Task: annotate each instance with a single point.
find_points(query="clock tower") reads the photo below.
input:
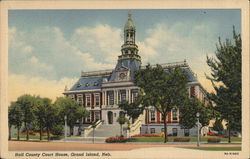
(129, 61)
(129, 48)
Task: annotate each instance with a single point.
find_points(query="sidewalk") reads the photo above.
(73, 146)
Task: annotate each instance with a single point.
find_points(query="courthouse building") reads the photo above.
(100, 92)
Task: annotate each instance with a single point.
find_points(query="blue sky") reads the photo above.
(52, 47)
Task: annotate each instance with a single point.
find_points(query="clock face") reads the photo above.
(122, 75)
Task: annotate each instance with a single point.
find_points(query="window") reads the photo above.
(79, 99)
(174, 130)
(152, 130)
(78, 85)
(88, 119)
(192, 91)
(123, 95)
(97, 99)
(162, 129)
(174, 113)
(72, 96)
(97, 116)
(186, 132)
(111, 97)
(152, 115)
(134, 95)
(88, 100)
(162, 117)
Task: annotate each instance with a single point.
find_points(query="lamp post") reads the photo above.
(150, 109)
(65, 127)
(198, 127)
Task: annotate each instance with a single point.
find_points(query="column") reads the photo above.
(103, 98)
(117, 96)
(129, 95)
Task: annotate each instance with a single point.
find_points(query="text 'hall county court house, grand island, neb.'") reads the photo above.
(100, 92)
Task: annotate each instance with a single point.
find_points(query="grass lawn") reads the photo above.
(192, 139)
(215, 148)
(34, 137)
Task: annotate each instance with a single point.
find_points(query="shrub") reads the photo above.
(116, 140)
(31, 132)
(180, 139)
(211, 134)
(223, 136)
(147, 135)
(213, 140)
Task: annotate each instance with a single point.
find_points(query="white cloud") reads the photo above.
(21, 84)
(55, 57)
(103, 42)
(48, 56)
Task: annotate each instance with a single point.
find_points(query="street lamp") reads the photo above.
(198, 133)
(150, 109)
(65, 127)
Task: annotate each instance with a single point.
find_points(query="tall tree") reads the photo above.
(15, 116)
(26, 103)
(163, 89)
(39, 112)
(46, 115)
(188, 112)
(134, 109)
(226, 79)
(71, 109)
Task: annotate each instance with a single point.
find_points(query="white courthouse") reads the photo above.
(100, 92)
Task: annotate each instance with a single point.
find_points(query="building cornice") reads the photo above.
(82, 91)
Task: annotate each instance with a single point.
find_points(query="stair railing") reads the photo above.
(89, 129)
(135, 127)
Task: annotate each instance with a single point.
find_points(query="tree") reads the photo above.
(26, 103)
(121, 120)
(15, 118)
(39, 112)
(163, 89)
(188, 112)
(226, 79)
(133, 110)
(71, 109)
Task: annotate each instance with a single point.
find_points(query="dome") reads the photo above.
(129, 25)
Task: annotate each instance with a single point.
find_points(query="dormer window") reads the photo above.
(95, 84)
(79, 84)
(87, 84)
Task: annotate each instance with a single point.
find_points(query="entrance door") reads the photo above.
(110, 117)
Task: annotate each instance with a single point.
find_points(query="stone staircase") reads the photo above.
(105, 131)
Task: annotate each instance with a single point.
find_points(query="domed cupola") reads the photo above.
(129, 25)
(129, 48)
